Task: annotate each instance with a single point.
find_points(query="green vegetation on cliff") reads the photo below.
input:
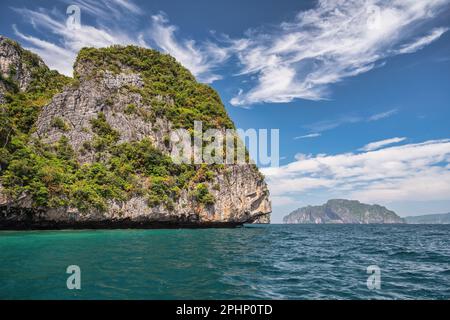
(21, 108)
(51, 175)
(163, 77)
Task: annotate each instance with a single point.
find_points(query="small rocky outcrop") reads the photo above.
(13, 64)
(343, 211)
(98, 147)
(17, 67)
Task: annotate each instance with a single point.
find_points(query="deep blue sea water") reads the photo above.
(257, 262)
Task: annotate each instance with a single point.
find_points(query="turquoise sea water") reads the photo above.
(257, 262)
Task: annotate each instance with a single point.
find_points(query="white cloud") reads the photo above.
(283, 201)
(106, 9)
(409, 172)
(129, 5)
(383, 115)
(56, 57)
(326, 44)
(306, 136)
(378, 144)
(61, 55)
(325, 125)
(201, 60)
(298, 59)
(424, 41)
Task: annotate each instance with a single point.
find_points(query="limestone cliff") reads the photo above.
(343, 211)
(16, 67)
(94, 150)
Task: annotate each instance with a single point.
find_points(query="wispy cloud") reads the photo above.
(335, 40)
(379, 144)
(297, 59)
(61, 54)
(329, 124)
(113, 20)
(383, 115)
(423, 41)
(306, 136)
(400, 173)
(325, 125)
(106, 9)
(201, 59)
(284, 201)
(57, 57)
(129, 5)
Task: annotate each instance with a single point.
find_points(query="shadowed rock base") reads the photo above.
(18, 219)
(110, 225)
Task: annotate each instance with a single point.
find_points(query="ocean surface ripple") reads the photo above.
(255, 262)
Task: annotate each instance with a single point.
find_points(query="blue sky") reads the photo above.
(360, 93)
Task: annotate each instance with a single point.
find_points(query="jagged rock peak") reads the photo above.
(16, 64)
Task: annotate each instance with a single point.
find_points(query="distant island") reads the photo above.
(443, 218)
(338, 211)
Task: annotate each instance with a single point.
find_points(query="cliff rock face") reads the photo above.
(14, 64)
(343, 211)
(96, 152)
(15, 69)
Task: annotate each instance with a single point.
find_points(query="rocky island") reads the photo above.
(443, 218)
(343, 211)
(93, 151)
